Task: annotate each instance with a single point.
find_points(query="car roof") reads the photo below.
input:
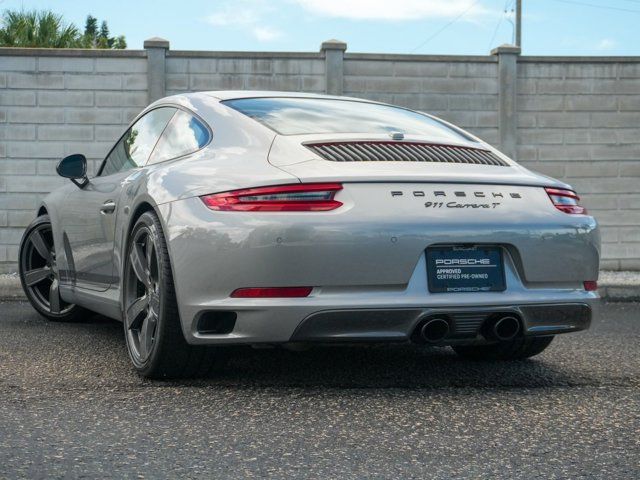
(237, 94)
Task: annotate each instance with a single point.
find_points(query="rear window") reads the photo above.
(298, 116)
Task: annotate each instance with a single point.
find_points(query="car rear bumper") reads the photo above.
(283, 324)
(380, 314)
(466, 324)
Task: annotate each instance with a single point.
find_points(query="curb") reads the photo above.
(10, 288)
(620, 293)
(611, 291)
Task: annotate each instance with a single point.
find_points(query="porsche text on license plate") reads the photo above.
(465, 269)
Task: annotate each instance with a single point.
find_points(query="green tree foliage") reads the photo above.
(45, 29)
(119, 42)
(37, 29)
(103, 38)
(94, 38)
(91, 26)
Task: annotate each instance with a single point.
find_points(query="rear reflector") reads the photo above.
(591, 285)
(272, 292)
(566, 201)
(309, 197)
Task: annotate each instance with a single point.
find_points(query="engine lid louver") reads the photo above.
(373, 151)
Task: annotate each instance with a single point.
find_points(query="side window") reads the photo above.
(136, 145)
(185, 134)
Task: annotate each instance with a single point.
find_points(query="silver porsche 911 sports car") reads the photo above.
(223, 218)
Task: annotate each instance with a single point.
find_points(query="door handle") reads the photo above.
(108, 207)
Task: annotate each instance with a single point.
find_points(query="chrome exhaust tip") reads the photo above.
(505, 328)
(434, 330)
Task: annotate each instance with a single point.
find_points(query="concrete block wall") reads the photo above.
(575, 118)
(461, 90)
(54, 103)
(197, 71)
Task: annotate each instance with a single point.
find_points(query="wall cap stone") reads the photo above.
(406, 57)
(598, 59)
(506, 48)
(333, 44)
(98, 53)
(156, 42)
(240, 54)
(69, 52)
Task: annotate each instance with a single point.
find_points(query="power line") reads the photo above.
(619, 9)
(502, 17)
(446, 26)
(495, 32)
(518, 41)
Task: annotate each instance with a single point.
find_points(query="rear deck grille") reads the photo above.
(403, 152)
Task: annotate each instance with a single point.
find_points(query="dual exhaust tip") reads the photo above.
(434, 330)
(501, 327)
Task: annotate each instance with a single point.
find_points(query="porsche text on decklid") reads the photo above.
(439, 202)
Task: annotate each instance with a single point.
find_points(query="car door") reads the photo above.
(90, 214)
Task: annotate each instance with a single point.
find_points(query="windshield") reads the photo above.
(298, 116)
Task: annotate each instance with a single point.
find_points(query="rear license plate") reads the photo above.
(465, 269)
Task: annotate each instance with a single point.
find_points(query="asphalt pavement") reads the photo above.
(72, 407)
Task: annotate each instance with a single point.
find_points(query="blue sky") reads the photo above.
(551, 27)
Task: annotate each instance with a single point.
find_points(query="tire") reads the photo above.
(152, 328)
(517, 349)
(39, 274)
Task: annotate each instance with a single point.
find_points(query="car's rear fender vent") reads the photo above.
(363, 151)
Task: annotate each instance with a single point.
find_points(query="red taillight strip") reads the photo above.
(562, 193)
(272, 292)
(304, 197)
(590, 285)
(565, 200)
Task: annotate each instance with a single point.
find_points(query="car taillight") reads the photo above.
(272, 292)
(590, 285)
(309, 197)
(566, 201)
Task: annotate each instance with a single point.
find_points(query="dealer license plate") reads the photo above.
(463, 268)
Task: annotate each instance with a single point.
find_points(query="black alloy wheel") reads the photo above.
(39, 272)
(153, 331)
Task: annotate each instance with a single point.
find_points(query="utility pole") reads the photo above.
(519, 23)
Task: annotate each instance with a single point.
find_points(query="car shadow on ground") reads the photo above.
(381, 366)
(400, 366)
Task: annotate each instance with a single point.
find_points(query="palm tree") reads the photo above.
(37, 29)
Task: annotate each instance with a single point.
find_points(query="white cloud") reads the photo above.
(266, 34)
(606, 44)
(246, 15)
(392, 9)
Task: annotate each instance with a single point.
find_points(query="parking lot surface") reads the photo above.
(71, 406)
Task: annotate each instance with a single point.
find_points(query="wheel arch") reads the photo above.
(48, 208)
(43, 210)
(142, 206)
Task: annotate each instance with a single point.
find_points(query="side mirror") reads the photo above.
(74, 167)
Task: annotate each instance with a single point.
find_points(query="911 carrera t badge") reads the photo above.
(460, 195)
(461, 205)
